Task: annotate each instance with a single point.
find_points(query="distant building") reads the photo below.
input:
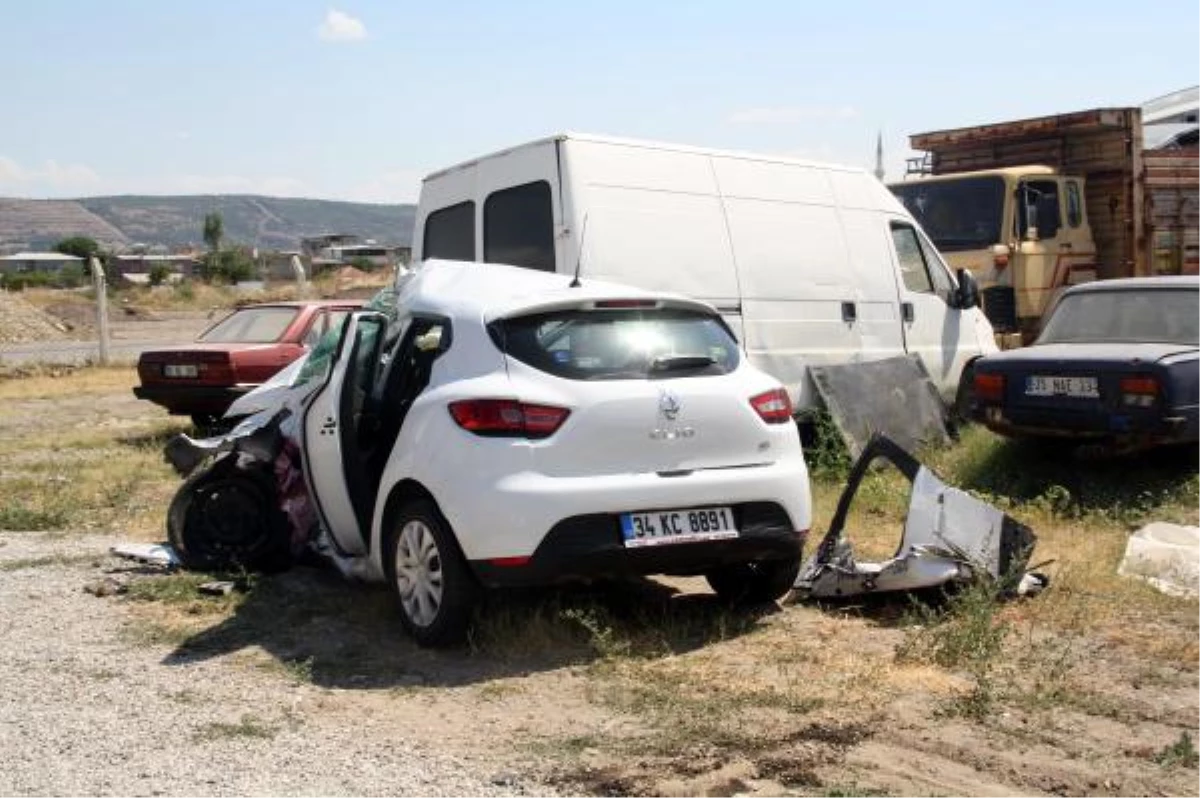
(318, 246)
(38, 262)
(136, 268)
(344, 249)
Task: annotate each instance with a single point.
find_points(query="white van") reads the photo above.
(808, 263)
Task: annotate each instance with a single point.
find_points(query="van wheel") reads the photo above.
(754, 582)
(434, 589)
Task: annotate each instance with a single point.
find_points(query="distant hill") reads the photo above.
(39, 224)
(263, 222)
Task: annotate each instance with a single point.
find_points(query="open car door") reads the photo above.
(332, 426)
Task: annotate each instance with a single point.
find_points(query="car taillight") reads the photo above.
(1138, 391)
(773, 407)
(507, 418)
(989, 387)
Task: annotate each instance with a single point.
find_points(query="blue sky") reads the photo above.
(358, 100)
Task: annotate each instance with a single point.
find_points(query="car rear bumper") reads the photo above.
(1169, 427)
(587, 547)
(185, 400)
(512, 514)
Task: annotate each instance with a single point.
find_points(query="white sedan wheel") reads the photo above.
(419, 573)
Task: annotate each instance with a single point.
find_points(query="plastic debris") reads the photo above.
(150, 553)
(1165, 555)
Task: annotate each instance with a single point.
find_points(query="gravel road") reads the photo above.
(87, 709)
(129, 338)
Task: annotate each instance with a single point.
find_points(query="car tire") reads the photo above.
(964, 401)
(224, 518)
(433, 587)
(754, 582)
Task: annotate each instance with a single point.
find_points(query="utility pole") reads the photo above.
(879, 156)
(99, 283)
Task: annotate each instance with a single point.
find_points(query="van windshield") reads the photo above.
(619, 344)
(957, 214)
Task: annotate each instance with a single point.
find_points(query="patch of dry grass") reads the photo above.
(41, 381)
(62, 472)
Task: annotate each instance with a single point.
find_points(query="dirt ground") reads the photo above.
(123, 679)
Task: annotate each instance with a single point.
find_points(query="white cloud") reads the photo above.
(788, 114)
(10, 171)
(272, 186)
(52, 176)
(341, 27)
(70, 175)
(392, 186)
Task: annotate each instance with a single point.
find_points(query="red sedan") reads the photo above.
(234, 356)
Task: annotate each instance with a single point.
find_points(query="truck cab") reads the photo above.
(1021, 231)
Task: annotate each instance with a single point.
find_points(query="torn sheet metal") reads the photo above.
(257, 437)
(892, 397)
(949, 536)
(150, 553)
(1165, 555)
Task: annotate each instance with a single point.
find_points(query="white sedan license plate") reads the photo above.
(180, 371)
(1082, 387)
(677, 526)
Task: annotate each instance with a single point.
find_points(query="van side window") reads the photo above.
(450, 233)
(939, 275)
(518, 227)
(912, 262)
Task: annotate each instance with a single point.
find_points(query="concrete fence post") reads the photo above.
(99, 283)
(301, 277)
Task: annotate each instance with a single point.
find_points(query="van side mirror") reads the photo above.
(966, 296)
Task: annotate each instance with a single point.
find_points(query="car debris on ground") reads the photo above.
(162, 554)
(1167, 556)
(950, 538)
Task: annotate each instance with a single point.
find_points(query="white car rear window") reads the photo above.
(619, 344)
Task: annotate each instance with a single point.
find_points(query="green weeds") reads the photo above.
(1181, 753)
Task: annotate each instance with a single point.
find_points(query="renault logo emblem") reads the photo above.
(668, 405)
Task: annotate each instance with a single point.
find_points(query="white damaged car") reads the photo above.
(501, 426)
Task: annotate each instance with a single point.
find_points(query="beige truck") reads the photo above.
(1034, 205)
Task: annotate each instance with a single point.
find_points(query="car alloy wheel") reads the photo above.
(433, 585)
(418, 566)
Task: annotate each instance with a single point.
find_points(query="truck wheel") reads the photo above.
(754, 582)
(225, 517)
(434, 588)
